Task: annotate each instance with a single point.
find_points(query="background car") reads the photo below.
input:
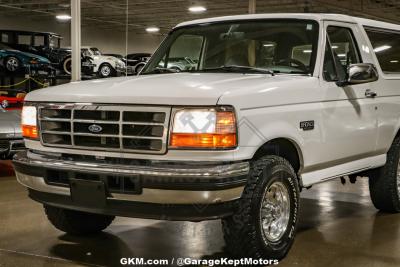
(138, 60)
(129, 68)
(104, 66)
(14, 61)
(11, 99)
(10, 133)
(45, 44)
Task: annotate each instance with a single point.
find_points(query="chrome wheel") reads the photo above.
(105, 71)
(12, 64)
(275, 211)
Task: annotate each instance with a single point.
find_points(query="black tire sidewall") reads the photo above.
(286, 176)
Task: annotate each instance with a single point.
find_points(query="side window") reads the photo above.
(5, 38)
(341, 51)
(185, 53)
(39, 40)
(24, 39)
(329, 71)
(387, 49)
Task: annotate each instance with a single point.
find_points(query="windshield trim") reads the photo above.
(314, 57)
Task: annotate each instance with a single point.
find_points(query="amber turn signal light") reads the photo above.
(29, 131)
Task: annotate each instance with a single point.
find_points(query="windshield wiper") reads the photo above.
(161, 70)
(241, 69)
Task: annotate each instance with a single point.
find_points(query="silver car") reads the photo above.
(10, 133)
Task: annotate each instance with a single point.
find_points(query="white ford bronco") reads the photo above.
(272, 104)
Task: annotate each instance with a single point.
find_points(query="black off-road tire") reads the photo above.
(77, 222)
(242, 231)
(383, 185)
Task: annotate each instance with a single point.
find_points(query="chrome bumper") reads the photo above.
(168, 193)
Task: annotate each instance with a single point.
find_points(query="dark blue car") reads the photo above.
(14, 61)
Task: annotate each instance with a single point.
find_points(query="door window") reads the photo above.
(39, 40)
(340, 52)
(24, 39)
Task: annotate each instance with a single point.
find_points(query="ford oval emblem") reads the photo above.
(94, 128)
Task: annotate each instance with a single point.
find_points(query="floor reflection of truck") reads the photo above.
(44, 44)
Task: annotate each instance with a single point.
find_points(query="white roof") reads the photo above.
(310, 16)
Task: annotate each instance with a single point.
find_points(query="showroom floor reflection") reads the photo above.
(338, 227)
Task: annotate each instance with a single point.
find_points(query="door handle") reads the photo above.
(370, 93)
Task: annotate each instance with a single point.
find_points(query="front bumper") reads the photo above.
(173, 191)
(10, 147)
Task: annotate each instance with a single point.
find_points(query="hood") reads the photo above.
(105, 58)
(162, 89)
(10, 124)
(30, 55)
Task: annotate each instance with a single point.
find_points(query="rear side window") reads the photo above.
(5, 38)
(387, 48)
(24, 39)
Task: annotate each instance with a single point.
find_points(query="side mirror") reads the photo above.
(362, 73)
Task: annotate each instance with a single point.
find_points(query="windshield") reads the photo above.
(280, 46)
(54, 41)
(95, 51)
(86, 52)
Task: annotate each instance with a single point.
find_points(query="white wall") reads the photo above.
(108, 41)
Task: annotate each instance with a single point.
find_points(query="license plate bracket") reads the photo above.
(88, 193)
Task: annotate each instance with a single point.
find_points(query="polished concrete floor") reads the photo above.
(338, 227)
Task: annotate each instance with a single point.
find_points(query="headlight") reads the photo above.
(204, 128)
(29, 122)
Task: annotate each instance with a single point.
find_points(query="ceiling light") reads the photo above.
(335, 46)
(63, 17)
(394, 61)
(268, 45)
(152, 29)
(307, 51)
(382, 48)
(342, 55)
(197, 9)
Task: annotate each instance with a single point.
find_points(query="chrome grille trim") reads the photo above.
(118, 135)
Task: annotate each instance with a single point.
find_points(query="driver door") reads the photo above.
(349, 117)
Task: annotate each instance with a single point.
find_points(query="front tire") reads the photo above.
(105, 70)
(12, 64)
(384, 182)
(77, 222)
(265, 222)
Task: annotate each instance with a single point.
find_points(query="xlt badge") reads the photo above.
(307, 125)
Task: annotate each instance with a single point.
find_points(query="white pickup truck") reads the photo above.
(273, 104)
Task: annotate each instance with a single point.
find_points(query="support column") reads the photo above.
(76, 40)
(252, 6)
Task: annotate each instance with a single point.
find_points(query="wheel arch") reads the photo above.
(285, 148)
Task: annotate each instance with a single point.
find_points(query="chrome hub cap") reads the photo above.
(12, 64)
(105, 70)
(275, 211)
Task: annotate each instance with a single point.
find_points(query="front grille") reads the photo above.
(135, 129)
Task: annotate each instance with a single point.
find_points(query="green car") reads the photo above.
(14, 61)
